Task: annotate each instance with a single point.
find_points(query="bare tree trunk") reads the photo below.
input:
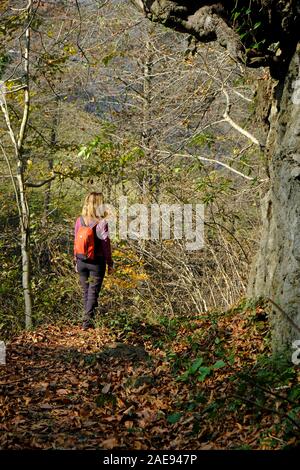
(20, 191)
(47, 196)
(25, 250)
(25, 247)
(146, 123)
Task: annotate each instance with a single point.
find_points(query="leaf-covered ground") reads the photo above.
(195, 383)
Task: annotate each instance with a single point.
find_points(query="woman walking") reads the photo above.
(92, 253)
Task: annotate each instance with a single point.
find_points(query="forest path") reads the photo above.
(69, 388)
(65, 388)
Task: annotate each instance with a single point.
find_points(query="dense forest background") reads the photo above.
(127, 107)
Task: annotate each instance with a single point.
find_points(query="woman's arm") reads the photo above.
(103, 234)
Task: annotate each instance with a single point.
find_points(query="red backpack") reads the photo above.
(84, 243)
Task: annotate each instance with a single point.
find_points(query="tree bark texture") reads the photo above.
(276, 270)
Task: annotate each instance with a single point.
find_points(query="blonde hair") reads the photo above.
(93, 207)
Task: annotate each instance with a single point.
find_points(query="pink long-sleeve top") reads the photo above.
(102, 243)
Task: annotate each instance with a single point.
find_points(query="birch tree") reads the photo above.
(17, 138)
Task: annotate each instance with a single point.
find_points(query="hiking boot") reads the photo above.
(87, 324)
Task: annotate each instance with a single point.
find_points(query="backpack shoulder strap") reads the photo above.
(93, 224)
(89, 225)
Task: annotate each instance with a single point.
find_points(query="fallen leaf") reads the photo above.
(45, 406)
(109, 443)
(128, 424)
(62, 391)
(106, 388)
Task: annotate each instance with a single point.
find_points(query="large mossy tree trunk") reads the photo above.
(276, 270)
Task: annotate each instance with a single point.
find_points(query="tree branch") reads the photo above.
(211, 160)
(26, 86)
(40, 183)
(238, 128)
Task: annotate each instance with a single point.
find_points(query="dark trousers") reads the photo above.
(91, 277)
